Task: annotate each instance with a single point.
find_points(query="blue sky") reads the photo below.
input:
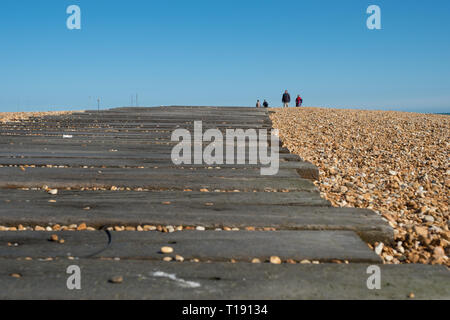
(224, 52)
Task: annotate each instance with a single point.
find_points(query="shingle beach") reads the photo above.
(396, 163)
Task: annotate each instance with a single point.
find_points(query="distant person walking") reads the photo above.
(298, 101)
(258, 104)
(265, 104)
(286, 99)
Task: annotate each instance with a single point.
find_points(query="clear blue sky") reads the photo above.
(224, 52)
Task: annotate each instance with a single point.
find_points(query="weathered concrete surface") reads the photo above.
(97, 198)
(172, 280)
(205, 245)
(280, 210)
(153, 179)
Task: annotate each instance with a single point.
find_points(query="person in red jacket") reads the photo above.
(298, 101)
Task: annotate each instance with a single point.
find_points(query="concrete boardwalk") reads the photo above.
(114, 168)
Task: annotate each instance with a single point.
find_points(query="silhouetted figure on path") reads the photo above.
(298, 101)
(286, 99)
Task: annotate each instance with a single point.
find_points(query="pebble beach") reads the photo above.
(20, 116)
(395, 163)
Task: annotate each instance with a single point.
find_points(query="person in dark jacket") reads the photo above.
(265, 104)
(286, 99)
(298, 101)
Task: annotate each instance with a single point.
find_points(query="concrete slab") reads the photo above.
(210, 281)
(205, 245)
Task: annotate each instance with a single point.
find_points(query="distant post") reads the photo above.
(98, 104)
